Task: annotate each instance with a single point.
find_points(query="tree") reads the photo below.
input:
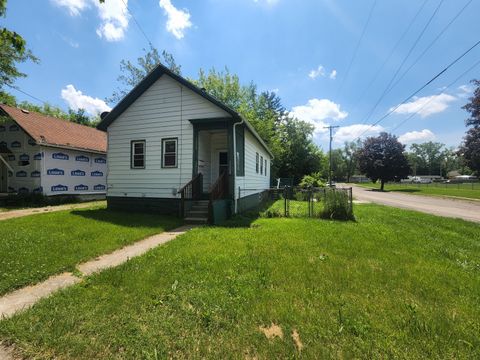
(383, 158)
(473, 107)
(428, 157)
(131, 74)
(470, 148)
(13, 50)
(349, 155)
(339, 166)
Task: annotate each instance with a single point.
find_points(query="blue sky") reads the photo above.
(300, 49)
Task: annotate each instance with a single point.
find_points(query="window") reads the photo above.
(256, 165)
(265, 167)
(240, 148)
(261, 165)
(169, 153)
(137, 154)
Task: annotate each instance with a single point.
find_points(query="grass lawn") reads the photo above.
(394, 284)
(37, 246)
(458, 190)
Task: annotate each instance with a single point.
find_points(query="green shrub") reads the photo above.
(337, 206)
(313, 180)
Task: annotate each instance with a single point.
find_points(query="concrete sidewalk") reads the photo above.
(46, 209)
(24, 298)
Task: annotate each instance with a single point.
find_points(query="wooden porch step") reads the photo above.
(198, 213)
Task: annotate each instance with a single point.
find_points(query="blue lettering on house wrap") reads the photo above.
(14, 127)
(16, 144)
(3, 143)
(77, 173)
(31, 142)
(99, 187)
(38, 190)
(38, 156)
(11, 157)
(23, 190)
(21, 173)
(82, 158)
(60, 156)
(81, 187)
(59, 187)
(24, 157)
(35, 174)
(96, 173)
(55, 172)
(100, 160)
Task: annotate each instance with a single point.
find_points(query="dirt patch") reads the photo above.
(272, 332)
(296, 340)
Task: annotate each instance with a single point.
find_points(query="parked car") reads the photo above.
(420, 180)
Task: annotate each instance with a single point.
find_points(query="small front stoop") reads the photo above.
(198, 213)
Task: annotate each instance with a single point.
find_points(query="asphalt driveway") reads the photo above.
(462, 209)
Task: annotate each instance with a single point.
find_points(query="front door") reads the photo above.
(222, 162)
(3, 178)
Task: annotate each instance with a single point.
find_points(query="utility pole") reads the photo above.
(330, 128)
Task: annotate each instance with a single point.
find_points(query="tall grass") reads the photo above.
(337, 205)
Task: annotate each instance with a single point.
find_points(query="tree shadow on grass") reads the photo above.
(407, 190)
(129, 219)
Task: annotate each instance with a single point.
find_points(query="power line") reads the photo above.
(421, 88)
(387, 89)
(432, 43)
(26, 93)
(440, 93)
(354, 55)
(367, 88)
(138, 24)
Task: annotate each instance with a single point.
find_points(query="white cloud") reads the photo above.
(316, 111)
(333, 74)
(177, 20)
(412, 136)
(74, 7)
(351, 132)
(426, 106)
(77, 100)
(465, 91)
(114, 16)
(319, 71)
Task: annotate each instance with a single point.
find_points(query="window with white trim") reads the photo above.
(169, 153)
(137, 154)
(265, 167)
(261, 165)
(257, 163)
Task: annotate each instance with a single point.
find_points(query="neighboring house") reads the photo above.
(171, 145)
(43, 154)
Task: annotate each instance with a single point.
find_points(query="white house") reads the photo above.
(171, 150)
(43, 154)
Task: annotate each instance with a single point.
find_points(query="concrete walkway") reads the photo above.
(24, 298)
(46, 209)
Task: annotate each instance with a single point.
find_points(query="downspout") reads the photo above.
(235, 163)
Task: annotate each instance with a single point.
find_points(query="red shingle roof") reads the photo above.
(48, 130)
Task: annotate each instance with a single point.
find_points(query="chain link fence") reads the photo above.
(291, 201)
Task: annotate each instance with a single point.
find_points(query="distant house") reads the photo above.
(172, 148)
(43, 154)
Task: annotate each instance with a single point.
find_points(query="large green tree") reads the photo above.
(383, 158)
(13, 50)
(132, 73)
(428, 157)
(470, 148)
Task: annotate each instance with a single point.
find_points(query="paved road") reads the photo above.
(463, 209)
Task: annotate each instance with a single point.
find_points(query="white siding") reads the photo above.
(253, 182)
(162, 111)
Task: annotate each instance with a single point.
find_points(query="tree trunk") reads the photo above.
(382, 185)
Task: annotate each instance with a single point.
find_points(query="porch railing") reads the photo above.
(191, 191)
(219, 189)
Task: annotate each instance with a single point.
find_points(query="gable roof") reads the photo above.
(51, 131)
(153, 76)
